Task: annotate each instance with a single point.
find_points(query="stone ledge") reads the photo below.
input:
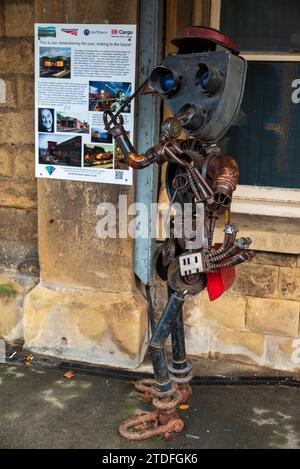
(271, 234)
(86, 325)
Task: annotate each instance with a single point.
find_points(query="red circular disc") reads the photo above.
(197, 35)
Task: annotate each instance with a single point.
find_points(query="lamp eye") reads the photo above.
(164, 80)
(210, 79)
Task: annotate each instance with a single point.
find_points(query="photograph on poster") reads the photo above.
(59, 150)
(98, 156)
(74, 122)
(46, 31)
(46, 120)
(100, 136)
(108, 95)
(120, 162)
(55, 62)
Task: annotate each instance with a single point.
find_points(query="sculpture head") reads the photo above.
(203, 83)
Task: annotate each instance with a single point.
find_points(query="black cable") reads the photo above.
(126, 102)
(150, 308)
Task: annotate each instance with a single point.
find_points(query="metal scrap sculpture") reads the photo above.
(203, 87)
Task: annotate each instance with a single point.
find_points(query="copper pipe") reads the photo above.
(138, 161)
(224, 172)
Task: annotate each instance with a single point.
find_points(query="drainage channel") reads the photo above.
(20, 358)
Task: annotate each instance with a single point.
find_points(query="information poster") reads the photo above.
(81, 71)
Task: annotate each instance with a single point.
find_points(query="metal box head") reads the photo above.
(203, 84)
(203, 90)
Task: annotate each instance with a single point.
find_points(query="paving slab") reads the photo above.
(42, 409)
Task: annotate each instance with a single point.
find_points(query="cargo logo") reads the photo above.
(121, 32)
(73, 32)
(50, 170)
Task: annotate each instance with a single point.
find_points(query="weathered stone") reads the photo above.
(198, 340)
(289, 283)
(24, 161)
(19, 17)
(87, 325)
(298, 261)
(275, 258)
(160, 296)
(228, 311)
(68, 220)
(256, 280)
(8, 94)
(2, 351)
(20, 257)
(283, 353)
(269, 316)
(26, 93)
(16, 55)
(13, 288)
(6, 161)
(246, 345)
(18, 193)
(18, 225)
(17, 128)
(2, 22)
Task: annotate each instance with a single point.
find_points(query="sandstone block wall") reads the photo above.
(18, 194)
(257, 321)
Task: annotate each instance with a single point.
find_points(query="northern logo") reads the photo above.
(86, 32)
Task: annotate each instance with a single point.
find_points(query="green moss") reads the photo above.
(7, 292)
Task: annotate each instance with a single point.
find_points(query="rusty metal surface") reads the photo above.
(163, 421)
(148, 425)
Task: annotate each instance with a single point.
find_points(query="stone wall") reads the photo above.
(18, 197)
(257, 321)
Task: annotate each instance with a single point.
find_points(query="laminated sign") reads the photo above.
(80, 72)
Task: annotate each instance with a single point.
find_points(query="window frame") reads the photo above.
(262, 200)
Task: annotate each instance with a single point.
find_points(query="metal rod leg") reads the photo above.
(180, 367)
(178, 343)
(156, 347)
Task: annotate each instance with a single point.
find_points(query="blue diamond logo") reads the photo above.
(50, 170)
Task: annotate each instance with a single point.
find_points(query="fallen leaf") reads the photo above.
(184, 407)
(28, 359)
(69, 374)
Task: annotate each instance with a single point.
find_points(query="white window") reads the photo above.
(266, 138)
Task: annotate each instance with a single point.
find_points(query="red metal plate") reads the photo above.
(202, 33)
(218, 282)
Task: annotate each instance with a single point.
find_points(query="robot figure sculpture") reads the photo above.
(203, 87)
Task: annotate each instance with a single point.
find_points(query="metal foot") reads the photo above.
(164, 420)
(151, 424)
